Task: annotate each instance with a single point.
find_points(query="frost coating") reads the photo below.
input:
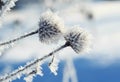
(29, 78)
(7, 7)
(78, 39)
(50, 27)
(27, 70)
(54, 66)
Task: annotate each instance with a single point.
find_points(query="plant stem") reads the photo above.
(34, 62)
(19, 38)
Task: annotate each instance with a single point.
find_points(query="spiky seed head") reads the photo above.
(50, 27)
(78, 39)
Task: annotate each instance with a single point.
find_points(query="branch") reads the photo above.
(21, 71)
(21, 37)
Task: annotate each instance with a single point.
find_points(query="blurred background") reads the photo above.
(100, 17)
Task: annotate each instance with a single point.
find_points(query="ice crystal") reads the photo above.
(29, 78)
(7, 7)
(54, 66)
(33, 71)
(39, 69)
(8, 4)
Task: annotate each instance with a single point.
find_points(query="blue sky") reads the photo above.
(87, 71)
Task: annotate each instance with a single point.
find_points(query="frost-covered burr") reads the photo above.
(51, 27)
(78, 39)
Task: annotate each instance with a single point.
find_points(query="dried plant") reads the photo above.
(50, 30)
(76, 39)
